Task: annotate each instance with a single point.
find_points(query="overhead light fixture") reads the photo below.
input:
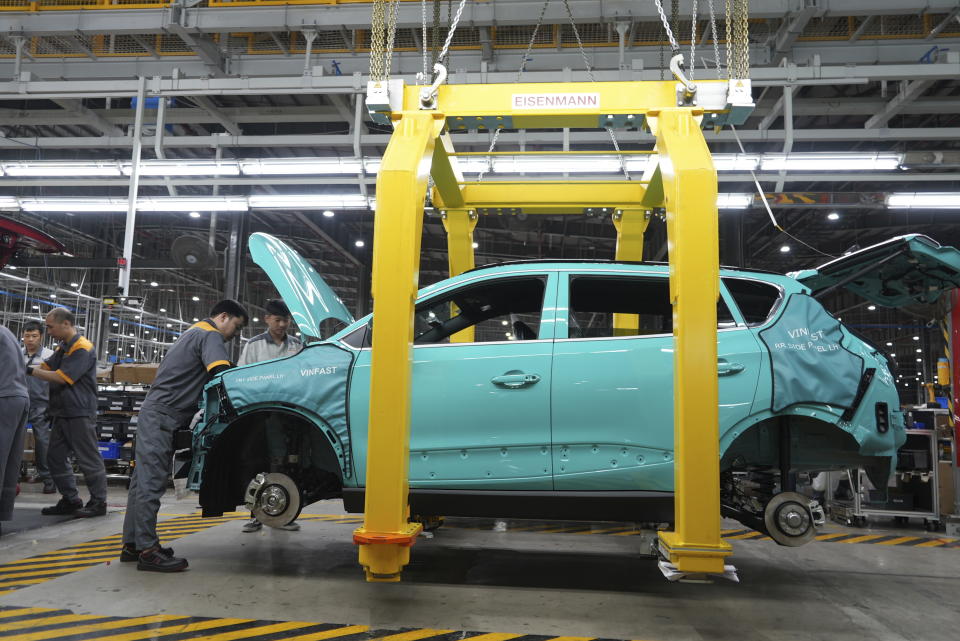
(784, 249)
(163, 310)
(309, 201)
(302, 166)
(919, 351)
(872, 308)
(9, 202)
(476, 245)
(734, 201)
(833, 216)
(154, 283)
(817, 161)
(195, 299)
(77, 169)
(74, 285)
(186, 168)
(101, 205)
(328, 214)
(916, 338)
(193, 205)
(889, 344)
(924, 200)
(359, 243)
(256, 320)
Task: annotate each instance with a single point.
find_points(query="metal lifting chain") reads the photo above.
(716, 45)
(423, 39)
(452, 29)
(391, 35)
(666, 26)
(523, 67)
(378, 25)
(741, 39)
(435, 36)
(586, 62)
(693, 38)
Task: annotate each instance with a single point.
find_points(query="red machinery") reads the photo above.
(15, 237)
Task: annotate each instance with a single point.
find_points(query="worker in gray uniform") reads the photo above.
(72, 375)
(198, 354)
(14, 404)
(273, 343)
(35, 353)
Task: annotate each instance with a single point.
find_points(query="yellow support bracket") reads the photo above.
(386, 535)
(689, 182)
(631, 225)
(459, 224)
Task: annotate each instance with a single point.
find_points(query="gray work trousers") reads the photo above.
(40, 422)
(77, 434)
(154, 458)
(13, 421)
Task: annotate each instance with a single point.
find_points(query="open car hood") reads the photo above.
(310, 299)
(900, 271)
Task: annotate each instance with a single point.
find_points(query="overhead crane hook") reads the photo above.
(676, 67)
(428, 95)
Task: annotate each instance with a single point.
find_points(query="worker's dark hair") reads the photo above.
(277, 307)
(61, 314)
(32, 326)
(229, 307)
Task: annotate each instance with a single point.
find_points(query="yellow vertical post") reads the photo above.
(689, 183)
(631, 225)
(386, 536)
(459, 225)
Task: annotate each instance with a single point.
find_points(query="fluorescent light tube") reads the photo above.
(74, 204)
(192, 204)
(187, 168)
(309, 201)
(924, 200)
(734, 201)
(300, 166)
(9, 202)
(68, 169)
(830, 162)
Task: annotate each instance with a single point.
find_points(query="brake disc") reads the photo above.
(789, 520)
(273, 499)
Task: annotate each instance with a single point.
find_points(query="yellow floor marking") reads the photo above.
(95, 627)
(606, 529)
(862, 539)
(63, 618)
(260, 630)
(412, 635)
(57, 571)
(830, 535)
(154, 633)
(628, 533)
(556, 530)
(748, 535)
(19, 612)
(931, 544)
(494, 637)
(897, 541)
(326, 634)
(22, 582)
(572, 638)
(83, 563)
(56, 556)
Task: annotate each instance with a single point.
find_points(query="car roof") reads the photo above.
(562, 262)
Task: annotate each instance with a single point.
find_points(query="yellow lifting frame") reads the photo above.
(685, 185)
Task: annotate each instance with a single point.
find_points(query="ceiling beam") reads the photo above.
(950, 17)
(206, 103)
(865, 24)
(792, 28)
(90, 118)
(149, 48)
(911, 90)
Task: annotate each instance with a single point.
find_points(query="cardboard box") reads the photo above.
(105, 374)
(947, 491)
(135, 373)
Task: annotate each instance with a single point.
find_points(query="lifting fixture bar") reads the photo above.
(683, 187)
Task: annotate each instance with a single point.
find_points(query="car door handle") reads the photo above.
(726, 369)
(514, 381)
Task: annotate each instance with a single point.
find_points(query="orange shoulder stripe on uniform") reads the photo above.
(216, 364)
(205, 326)
(44, 366)
(82, 343)
(66, 378)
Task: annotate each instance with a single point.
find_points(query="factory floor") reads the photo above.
(470, 580)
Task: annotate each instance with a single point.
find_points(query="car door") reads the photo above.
(480, 407)
(613, 380)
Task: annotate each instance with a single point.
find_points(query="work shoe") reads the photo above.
(253, 525)
(155, 560)
(62, 507)
(292, 526)
(49, 487)
(130, 553)
(92, 508)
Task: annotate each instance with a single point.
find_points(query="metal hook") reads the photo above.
(676, 67)
(428, 95)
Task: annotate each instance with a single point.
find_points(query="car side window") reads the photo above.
(757, 300)
(608, 306)
(505, 309)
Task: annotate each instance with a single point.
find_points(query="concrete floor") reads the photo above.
(511, 582)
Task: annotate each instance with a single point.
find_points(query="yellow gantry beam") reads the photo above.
(685, 185)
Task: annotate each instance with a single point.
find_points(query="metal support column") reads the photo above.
(459, 225)
(689, 182)
(126, 266)
(386, 536)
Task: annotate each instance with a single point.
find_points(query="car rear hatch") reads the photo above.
(901, 271)
(310, 299)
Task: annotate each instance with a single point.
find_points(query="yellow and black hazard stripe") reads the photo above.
(37, 624)
(44, 567)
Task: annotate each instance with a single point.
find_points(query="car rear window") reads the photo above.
(757, 300)
(643, 304)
